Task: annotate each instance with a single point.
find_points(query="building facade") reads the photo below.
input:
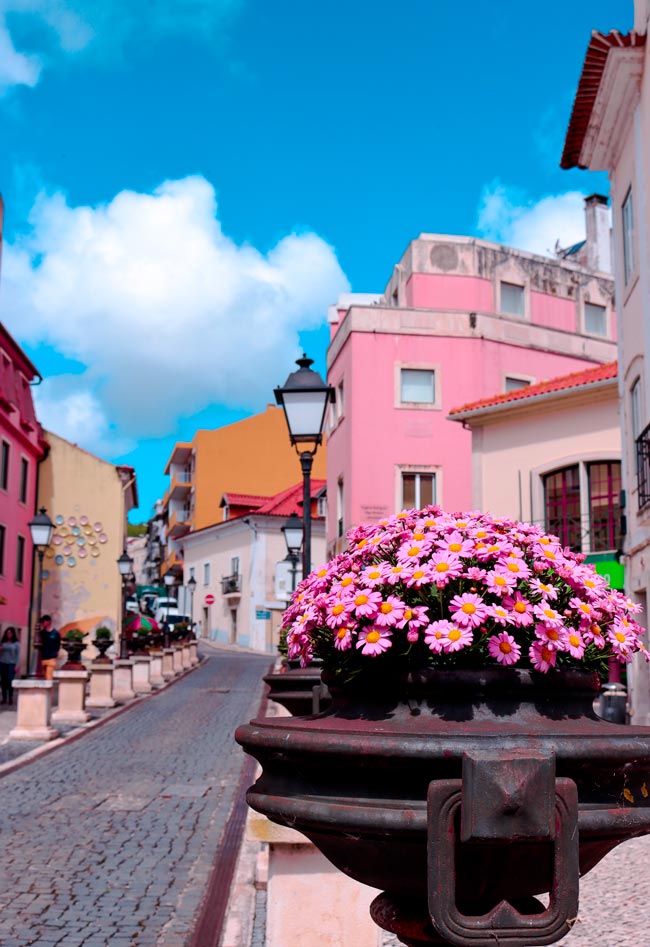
(88, 500)
(252, 456)
(22, 448)
(551, 454)
(243, 576)
(460, 319)
(609, 130)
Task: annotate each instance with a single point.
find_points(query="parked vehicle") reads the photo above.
(163, 607)
(147, 602)
(132, 605)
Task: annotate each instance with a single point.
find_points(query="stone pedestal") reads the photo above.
(194, 653)
(334, 909)
(178, 659)
(156, 678)
(72, 697)
(186, 656)
(141, 674)
(34, 710)
(101, 685)
(123, 681)
(168, 663)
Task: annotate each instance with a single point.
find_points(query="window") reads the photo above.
(512, 383)
(206, 573)
(340, 400)
(418, 490)
(604, 505)
(20, 559)
(627, 214)
(635, 408)
(562, 506)
(595, 319)
(4, 466)
(512, 299)
(339, 507)
(24, 471)
(3, 533)
(234, 565)
(417, 386)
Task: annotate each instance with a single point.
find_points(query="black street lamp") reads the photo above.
(292, 532)
(41, 529)
(305, 397)
(125, 565)
(192, 587)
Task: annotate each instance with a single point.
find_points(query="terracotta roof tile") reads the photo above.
(289, 501)
(588, 376)
(588, 86)
(243, 499)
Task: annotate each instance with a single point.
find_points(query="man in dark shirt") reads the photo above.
(50, 647)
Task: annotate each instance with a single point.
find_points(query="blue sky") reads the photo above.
(188, 185)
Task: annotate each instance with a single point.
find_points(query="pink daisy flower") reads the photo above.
(545, 589)
(415, 616)
(552, 636)
(499, 582)
(504, 648)
(338, 613)
(455, 638)
(621, 637)
(366, 603)
(575, 644)
(468, 610)
(499, 614)
(475, 574)
(374, 641)
(373, 576)
(343, 639)
(521, 610)
(390, 612)
(515, 566)
(541, 656)
(419, 577)
(435, 635)
(398, 573)
(457, 544)
(548, 615)
(411, 551)
(444, 566)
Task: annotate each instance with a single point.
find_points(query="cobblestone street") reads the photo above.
(109, 840)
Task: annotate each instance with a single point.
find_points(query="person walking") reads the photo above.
(9, 654)
(50, 647)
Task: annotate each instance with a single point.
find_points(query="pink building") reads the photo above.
(460, 320)
(22, 447)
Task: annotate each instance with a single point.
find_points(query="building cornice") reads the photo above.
(578, 394)
(613, 109)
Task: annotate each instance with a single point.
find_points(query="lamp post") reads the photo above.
(305, 397)
(292, 532)
(170, 582)
(192, 587)
(125, 565)
(41, 529)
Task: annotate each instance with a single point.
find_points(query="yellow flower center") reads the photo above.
(574, 640)
(361, 600)
(338, 609)
(553, 634)
(408, 614)
(418, 574)
(619, 636)
(418, 536)
(402, 516)
(442, 567)
(341, 633)
(321, 573)
(455, 547)
(362, 543)
(590, 583)
(429, 522)
(479, 546)
(596, 629)
(469, 608)
(396, 570)
(549, 554)
(545, 540)
(585, 608)
(346, 581)
(513, 567)
(481, 534)
(375, 574)
(454, 634)
(493, 548)
(413, 551)
(385, 608)
(505, 647)
(546, 654)
(499, 580)
(520, 607)
(373, 636)
(549, 613)
(460, 524)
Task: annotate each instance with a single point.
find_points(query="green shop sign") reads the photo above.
(609, 568)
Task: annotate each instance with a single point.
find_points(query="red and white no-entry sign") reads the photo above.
(209, 599)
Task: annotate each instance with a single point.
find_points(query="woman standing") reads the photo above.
(9, 653)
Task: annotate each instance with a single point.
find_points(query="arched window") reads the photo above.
(582, 505)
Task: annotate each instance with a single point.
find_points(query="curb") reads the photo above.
(24, 759)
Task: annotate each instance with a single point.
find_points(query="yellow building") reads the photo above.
(88, 500)
(252, 456)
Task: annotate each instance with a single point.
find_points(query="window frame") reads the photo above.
(3, 547)
(436, 404)
(524, 300)
(5, 464)
(21, 546)
(583, 462)
(417, 471)
(606, 318)
(23, 486)
(206, 573)
(628, 242)
(526, 381)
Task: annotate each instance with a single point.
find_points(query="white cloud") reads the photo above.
(67, 408)
(104, 27)
(507, 216)
(168, 314)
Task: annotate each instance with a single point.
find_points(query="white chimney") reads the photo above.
(599, 242)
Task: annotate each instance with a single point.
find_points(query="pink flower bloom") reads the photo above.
(515, 566)
(415, 616)
(390, 612)
(541, 656)
(338, 613)
(521, 610)
(545, 589)
(548, 615)
(575, 644)
(468, 610)
(412, 636)
(411, 551)
(455, 638)
(622, 638)
(372, 576)
(347, 581)
(475, 574)
(398, 573)
(499, 614)
(366, 603)
(500, 582)
(435, 634)
(374, 641)
(456, 544)
(419, 576)
(504, 648)
(555, 638)
(444, 566)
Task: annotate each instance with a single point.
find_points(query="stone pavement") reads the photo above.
(108, 841)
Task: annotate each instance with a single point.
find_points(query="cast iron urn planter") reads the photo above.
(102, 645)
(74, 647)
(462, 795)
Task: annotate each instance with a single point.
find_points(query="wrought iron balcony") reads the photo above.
(643, 466)
(231, 584)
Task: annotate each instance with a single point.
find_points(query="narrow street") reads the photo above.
(110, 840)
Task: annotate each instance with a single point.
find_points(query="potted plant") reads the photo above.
(102, 641)
(73, 645)
(140, 640)
(460, 768)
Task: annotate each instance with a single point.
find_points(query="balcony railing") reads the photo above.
(643, 466)
(231, 584)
